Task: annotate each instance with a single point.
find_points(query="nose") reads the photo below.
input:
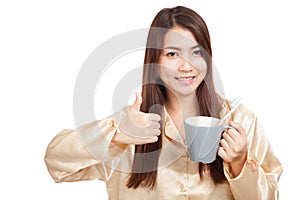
(185, 65)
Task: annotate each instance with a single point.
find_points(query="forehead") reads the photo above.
(179, 37)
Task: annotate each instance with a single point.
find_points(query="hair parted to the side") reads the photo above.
(144, 170)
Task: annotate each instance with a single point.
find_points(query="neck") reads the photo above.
(182, 106)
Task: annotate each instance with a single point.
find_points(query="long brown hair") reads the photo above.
(144, 170)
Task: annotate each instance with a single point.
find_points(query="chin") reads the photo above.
(185, 92)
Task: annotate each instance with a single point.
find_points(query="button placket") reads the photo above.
(186, 184)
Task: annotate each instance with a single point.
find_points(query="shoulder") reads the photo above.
(243, 112)
(243, 115)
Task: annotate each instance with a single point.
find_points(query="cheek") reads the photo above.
(201, 67)
(165, 72)
(169, 63)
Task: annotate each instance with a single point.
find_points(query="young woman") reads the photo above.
(141, 151)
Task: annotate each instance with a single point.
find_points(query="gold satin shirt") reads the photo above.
(87, 153)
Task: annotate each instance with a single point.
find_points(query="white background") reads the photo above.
(43, 45)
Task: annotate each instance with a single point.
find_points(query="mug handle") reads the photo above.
(227, 127)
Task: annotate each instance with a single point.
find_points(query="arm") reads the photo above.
(260, 174)
(75, 155)
(95, 150)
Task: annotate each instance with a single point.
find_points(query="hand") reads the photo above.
(138, 127)
(234, 148)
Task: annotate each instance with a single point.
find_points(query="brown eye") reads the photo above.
(198, 53)
(172, 54)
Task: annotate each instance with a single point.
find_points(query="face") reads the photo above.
(182, 67)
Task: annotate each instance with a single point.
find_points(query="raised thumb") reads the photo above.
(138, 102)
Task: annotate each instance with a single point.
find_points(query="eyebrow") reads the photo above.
(179, 49)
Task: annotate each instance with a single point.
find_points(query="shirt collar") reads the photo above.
(171, 131)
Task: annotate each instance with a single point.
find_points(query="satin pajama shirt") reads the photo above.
(87, 153)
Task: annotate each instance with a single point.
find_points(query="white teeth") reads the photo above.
(184, 78)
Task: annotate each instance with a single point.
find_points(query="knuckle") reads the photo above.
(230, 130)
(158, 132)
(152, 139)
(223, 142)
(148, 132)
(158, 125)
(155, 125)
(155, 117)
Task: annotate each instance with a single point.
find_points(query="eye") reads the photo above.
(172, 54)
(198, 53)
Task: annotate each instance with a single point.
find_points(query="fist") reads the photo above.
(139, 127)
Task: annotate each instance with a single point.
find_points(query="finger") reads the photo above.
(156, 108)
(238, 127)
(228, 138)
(128, 139)
(152, 139)
(225, 145)
(154, 117)
(137, 103)
(157, 132)
(222, 153)
(146, 141)
(233, 134)
(152, 132)
(154, 125)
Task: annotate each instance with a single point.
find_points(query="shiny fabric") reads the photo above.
(86, 154)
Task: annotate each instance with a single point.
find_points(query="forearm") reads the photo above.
(259, 176)
(75, 155)
(254, 182)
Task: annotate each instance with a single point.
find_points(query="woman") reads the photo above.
(141, 152)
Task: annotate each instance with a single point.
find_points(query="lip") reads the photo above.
(185, 78)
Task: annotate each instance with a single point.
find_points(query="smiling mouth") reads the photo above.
(187, 78)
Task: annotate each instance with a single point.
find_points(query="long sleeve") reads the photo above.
(260, 175)
(84, 153)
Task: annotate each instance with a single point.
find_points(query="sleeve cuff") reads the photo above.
(96, 138)
(115, 150)
(250, 167)
(245, 181)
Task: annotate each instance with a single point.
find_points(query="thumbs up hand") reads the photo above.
(138, 127)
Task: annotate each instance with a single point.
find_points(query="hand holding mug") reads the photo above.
(203, 135)
(234, 147)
